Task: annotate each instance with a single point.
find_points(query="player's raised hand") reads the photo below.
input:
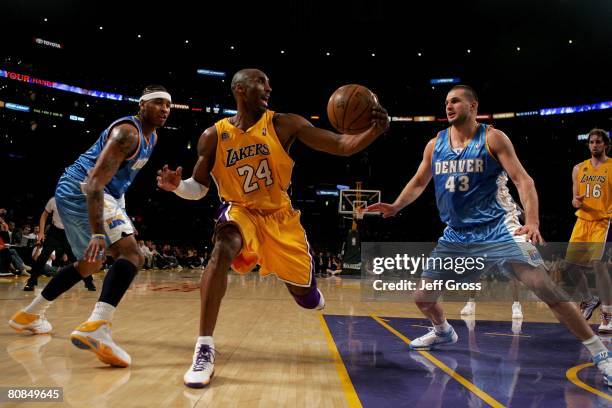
(387, 210)
(577, 201)
(169, 179)
(380, 118)
(532, 233)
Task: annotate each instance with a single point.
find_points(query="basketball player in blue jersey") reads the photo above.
(470, 164)
(90, 202)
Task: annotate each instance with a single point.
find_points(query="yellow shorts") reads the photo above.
(274, 239)
(588, 241)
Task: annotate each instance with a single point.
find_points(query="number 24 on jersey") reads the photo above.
(261, 173)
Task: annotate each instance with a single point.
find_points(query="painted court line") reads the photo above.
(459, 378)
(572, 375)
(507, 334)
(347, 386)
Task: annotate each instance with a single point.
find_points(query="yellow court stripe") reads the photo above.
(347, 386)
(572, 375)
(459, 378)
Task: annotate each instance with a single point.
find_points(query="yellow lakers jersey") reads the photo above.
(251, 167)
(596, 186)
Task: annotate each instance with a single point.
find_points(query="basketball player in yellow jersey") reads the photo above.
(592, 196)
(247, 157)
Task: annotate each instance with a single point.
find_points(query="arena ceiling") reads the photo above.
(542, 51)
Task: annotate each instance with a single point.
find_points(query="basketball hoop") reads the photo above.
(355, 202)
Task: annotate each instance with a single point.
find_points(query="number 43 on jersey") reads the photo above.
(462, 183)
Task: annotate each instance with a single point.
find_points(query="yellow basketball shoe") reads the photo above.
(202, 368)
(34, 323)
(95, 336)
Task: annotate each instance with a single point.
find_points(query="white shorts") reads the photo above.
(72, 208)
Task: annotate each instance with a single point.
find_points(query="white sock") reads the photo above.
(38, 305)
(595, 345)
(516, 303)
(606, 308)
(206, 340)
(471, 300)
(442, 328)
(102, 311)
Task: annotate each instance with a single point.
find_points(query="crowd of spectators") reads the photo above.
(327, 263)
(166, 256)
(20, 244)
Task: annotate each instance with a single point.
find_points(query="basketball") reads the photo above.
(350, 109)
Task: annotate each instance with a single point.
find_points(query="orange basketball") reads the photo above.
(350, 109)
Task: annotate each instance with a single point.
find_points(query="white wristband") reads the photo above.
(190, 189)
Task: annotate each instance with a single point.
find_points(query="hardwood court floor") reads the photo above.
(270, 351)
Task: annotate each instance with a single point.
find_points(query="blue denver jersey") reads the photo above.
(470, 185)
(128, 169)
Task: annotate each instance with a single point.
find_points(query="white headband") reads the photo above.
(155, 95)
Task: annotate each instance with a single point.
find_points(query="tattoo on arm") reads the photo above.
(125, 142)
(95, 207)
(120, 147)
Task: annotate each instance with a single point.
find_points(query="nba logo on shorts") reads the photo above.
(115, 222)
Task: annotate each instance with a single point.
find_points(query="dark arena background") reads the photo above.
(542, 70)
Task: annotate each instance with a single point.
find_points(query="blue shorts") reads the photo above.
(72, 209)
(490, 245)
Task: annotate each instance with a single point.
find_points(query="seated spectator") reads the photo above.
(146, 252)
(29, 238)
(20, 268)
(5, 257)
(334, 266)
(48, 269)
(169, 256)
(180, 255)
(16, 264)
(15, 234)
(158, 260)
(192, 260)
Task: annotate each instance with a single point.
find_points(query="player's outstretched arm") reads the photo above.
(197, 186)
(121, 144)
(295, 126)
(503, 150)
(413, 189)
